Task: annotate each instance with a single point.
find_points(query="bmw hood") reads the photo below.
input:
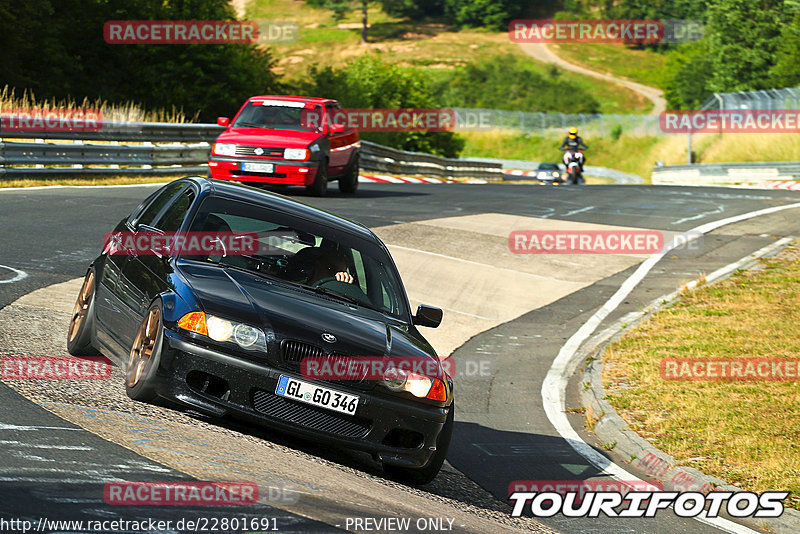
(289, 313)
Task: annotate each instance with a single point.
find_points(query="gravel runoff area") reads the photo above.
(47, 311)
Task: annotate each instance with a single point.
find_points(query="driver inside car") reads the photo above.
(331, 265)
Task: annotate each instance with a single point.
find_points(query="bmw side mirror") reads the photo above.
(223, 121)
(428, 316)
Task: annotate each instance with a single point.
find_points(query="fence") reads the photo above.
(186, 152)
(788, 98)
(544, 124)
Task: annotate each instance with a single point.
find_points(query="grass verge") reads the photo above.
(743, 432)
(91, 180)
(640, 65)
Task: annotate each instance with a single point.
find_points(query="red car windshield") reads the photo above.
(295, 117)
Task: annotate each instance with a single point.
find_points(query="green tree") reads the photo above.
(206, 79)
(785, 71)
(341, 7)
(687, 75)
(743, 36)
(494, 14)
(413, 9)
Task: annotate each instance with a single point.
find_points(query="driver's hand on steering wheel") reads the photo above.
(344, 277)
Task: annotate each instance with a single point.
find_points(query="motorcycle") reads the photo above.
(573, 159)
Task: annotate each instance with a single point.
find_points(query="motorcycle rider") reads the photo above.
(573, 143)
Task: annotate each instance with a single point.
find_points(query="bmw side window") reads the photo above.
(148, 216)
(360, 274)
(173, 217)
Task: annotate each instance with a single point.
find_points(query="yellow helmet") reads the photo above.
(573, 133)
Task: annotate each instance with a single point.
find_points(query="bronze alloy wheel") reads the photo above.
(81, 306)
(143, 345)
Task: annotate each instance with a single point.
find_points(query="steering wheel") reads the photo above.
(326, 280)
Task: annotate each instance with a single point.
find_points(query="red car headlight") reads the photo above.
(223, 149)
(300, 154)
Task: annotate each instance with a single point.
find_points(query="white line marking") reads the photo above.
(573, 212)
(555, 383)
(21, 275)
(719, 209)
(469, 314)
(4, 426)
(42, 446)
(472, 262)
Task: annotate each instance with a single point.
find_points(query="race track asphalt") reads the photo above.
(502, 433)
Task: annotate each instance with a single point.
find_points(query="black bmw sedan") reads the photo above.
(218, 297)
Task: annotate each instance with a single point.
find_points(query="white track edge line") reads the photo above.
(20, 275)
(555, 383)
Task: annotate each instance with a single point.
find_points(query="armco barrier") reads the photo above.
(725, 173)
(380, 158)
(185, 153)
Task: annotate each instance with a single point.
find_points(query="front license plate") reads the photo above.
(317, 395)
(258, 167)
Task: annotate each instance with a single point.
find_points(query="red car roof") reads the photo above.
(312, 99)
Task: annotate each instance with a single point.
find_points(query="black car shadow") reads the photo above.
(380, 191)
(481, 462)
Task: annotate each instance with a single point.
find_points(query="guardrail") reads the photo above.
(725, 173)
(185, 153)
(385, 159)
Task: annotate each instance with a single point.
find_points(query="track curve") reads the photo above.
(501, 433)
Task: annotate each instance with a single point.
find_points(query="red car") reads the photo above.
(289, 140)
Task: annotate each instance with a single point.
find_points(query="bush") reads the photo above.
(510, 83)
(369, 82)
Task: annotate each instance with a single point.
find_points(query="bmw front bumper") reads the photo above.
(396, 431)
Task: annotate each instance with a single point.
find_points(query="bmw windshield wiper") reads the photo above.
(330, 293)
(248, 125)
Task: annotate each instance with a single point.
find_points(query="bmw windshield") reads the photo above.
(327, 261)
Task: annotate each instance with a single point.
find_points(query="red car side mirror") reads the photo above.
(223, 121)
(337, 128)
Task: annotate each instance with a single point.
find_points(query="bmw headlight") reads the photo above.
(246, 336)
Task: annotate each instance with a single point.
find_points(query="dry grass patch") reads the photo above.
(746, 433)
(98, 180)
(128, 112)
